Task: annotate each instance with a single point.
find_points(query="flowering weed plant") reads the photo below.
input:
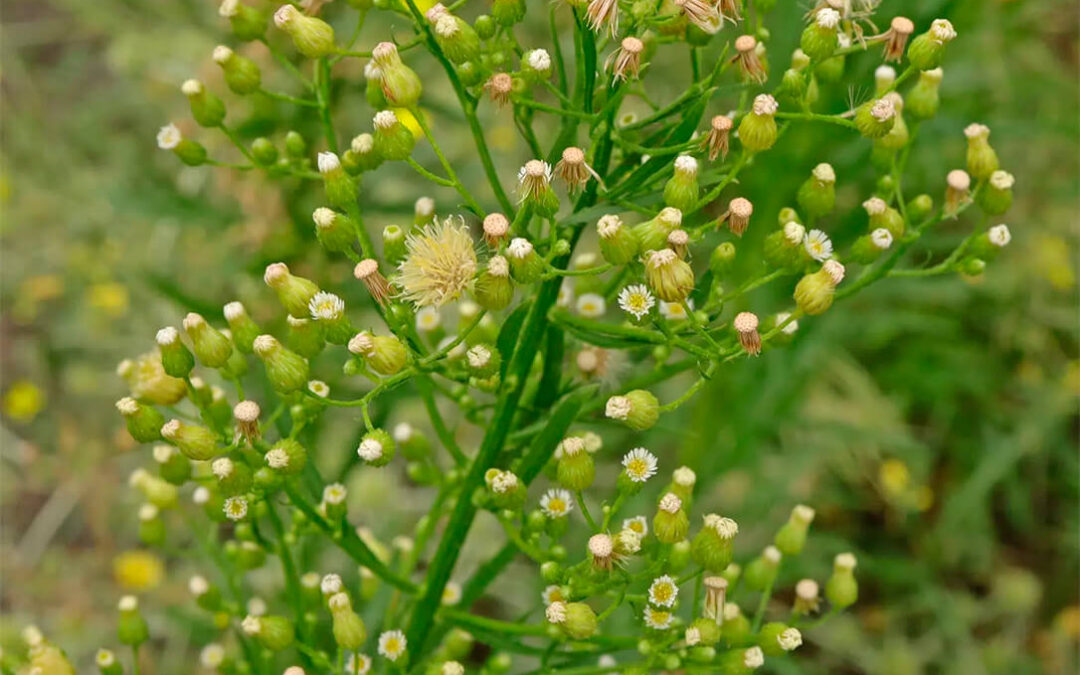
(584, 290)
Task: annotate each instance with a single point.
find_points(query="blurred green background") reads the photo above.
(932, 422)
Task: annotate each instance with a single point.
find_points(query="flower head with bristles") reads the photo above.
(440, 264)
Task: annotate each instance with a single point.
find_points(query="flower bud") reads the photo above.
(652, 234)
(348, 628)
(876, 118)
(189, 152)
(173, 466)
(211, 347)
(681, 190)
(328, 310)
(306, 337)
(508, 12)
(286, 457)
(155, 490)
(818, 40)
(526, 265)
(761, 572)
(273, 632)
(506, 490)
(286, 370)
(196, 442)
(638, 409)
(996, 197)
(670, 524)
(376, 448)
(151, 526)
(920, 207)
(106, 663)
(671, 278)
(884, 216)
(989, 243)
(923, 99)
(806, 597)
(393, 140)
(312, 37)
(386, 355)
(817, 195)
(792, 536)
(493, 289)
(483, 360)
(534, 186)
(722, 258)
(362, 155)
(248, 24)
(982, 161)
(339, 185)
(575, 469)
(576, 619)
(233, 476)
(294, 293)
(776, 639)
(869, 247)
(713, 547)
(400, 84)
(927, 50)
(241, 73)
(175, 357)
(264, 152)
(131, 628)
(206, 108)
(783, 249)
(143, 422)
(757, 130)
(457, 38)
(244, 330)
(335, 231)
(814, 292)
(842, 590)
(957, 186)
(394, 249)
(707, 631)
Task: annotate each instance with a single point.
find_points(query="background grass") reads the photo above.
(932, 423)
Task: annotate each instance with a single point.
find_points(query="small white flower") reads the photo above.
(213, 654)
(566, 294)
(639, 525)
(657, 619)
(370, 450)
(326, 306)
(235, 508)
(556, 612)
(169, 137)
(663, 591)
(788, 328)
(824, 173)
(556, 503)
(617, 408)
(428, 319)
(726, 528)
(608, 226)
(636, 300)
(674, 311)
(999, 235)
(753, 657)
(640, 465)
(392, 644)
(794, 233)
(384, 119)
(328, 161)
(692, 636)
(335, 493)
(591, 305)
(222, 467)
(765, 105)
(198, 585)
(684, 476)
(593, 442)
(818, 245)
(201, 495)
(1002, 180)
(478, 356)
(881, 238)
(686, 164)
(251, 625)
(503, 482)
(451, 594)
(361, 668)
(551, 594)
(670, 503)
(883, 109)
(319, 388)
(539, 59)
(228, 8)
(942, 30)
(790, 639)
(331, 584)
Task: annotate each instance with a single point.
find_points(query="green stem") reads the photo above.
(455, 182)
(585, 511)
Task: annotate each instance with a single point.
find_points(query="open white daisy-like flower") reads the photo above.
(657, 618)
(326, 306)
(636, 300)
(639, 525)
(591, 305)
(556, 503)
(818, 245)
(640, 465)
(663, 591)
(674, 311)
(392, 644)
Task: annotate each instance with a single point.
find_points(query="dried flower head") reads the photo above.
(625, 62)
(500, 87)
(573, 170)
(746, 57)
(717, 140)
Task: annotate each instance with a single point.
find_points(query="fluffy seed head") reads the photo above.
(601, 545)
(496, 225)
(440, 264)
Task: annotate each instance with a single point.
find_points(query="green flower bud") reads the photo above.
(151, 526)
(106, 663)
(706, 630)
(776, 639)
(762, 570)
(652, 235)
(241, 73)
(189, 152)
(722, 258)
(176, 360)
(638, 409)
(211, 347)
(576, 619)
(792, 536)
(394, 249)
(898, 136)
(508, 12)
(713, 547)
(920, 207)
(295, 145)
(670, 524)
(264, 151)
(348, 627)
(735, 629)
(155, 490)
(536, 65)
(206, 108)
(927, 50)
(534, 185)
(757, 129)
(996, 195)
(196, 442)
(248, 24)
(173, 466)
(287, 457)
(483, 360)
(341, 188)
(312, 37)
(248, 555)
(922, 99)
(814, 292)
(131, 628)
(681, 190)
(385, 355)
(818, 40)
(526, 265)
(874, 119)
(306, 337)
(792, 87)
(869, 247)
(362, 155)
(273, 632)
(393, 140)
(286, 370)
(243, 329)
(618, 245)
(457, 38)
(294, 293)
(884, 216)
(742, 661)
(817, 195)
(841, 589)
(377, 448)
(493, 289)
(485, 27)
(328, 310)
(575, 469)
(988, 244)
(783, 249)
(982, 161)
(400, 84)
(233, 476)
(829, 70)
(671, 278)
(335, 231)
(143, 422)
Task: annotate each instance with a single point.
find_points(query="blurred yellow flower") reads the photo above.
(42, 287)
(1052, 260)
(23, 401)
(924, 498)
(109, 297)
(894, 477)
(138, 570)
(406, 117)
(1068, 622)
